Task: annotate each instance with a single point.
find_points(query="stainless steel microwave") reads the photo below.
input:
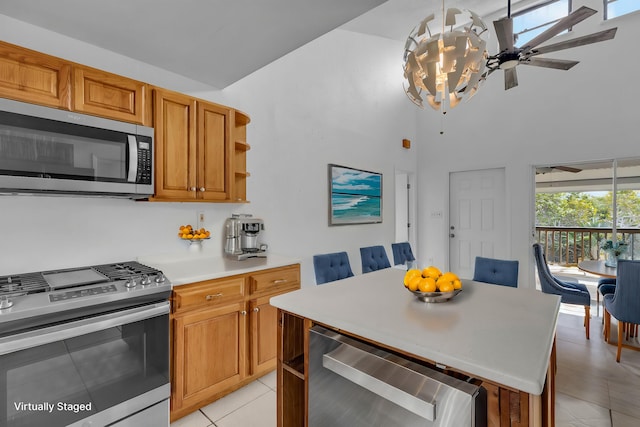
(49, 151)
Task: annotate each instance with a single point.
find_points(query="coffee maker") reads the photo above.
(241, 231)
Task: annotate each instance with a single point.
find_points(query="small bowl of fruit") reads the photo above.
(431, 285)
(194, 236)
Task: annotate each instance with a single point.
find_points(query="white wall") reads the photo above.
(587, 113)
(336, 100)
(339, 100)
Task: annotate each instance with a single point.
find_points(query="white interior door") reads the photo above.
(477, 218)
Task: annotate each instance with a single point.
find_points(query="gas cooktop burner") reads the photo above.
(22, 284)
(29, 283)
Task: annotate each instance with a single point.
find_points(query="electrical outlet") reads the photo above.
(201, 220)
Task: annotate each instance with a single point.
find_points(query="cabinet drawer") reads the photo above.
(210, 293)
(274, 279)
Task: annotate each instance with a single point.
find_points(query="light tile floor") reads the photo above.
(592, 390)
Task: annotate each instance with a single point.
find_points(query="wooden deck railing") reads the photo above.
(570, 245)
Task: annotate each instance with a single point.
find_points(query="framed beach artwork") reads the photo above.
(355, 196)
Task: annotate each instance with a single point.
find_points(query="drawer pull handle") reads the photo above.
(210, 297)
(278, 281)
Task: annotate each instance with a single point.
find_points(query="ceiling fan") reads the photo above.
(548, 169)
(510, 56)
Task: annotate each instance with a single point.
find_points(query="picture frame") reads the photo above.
(355, 196)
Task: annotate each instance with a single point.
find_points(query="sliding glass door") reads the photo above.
(582, 206)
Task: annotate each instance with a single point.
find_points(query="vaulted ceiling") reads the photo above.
(218, 42)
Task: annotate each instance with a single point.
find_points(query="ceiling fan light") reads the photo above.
(507, 65)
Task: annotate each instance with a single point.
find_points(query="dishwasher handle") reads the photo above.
(377, 375)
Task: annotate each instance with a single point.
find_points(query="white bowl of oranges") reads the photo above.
(187, 232)
(431, 285)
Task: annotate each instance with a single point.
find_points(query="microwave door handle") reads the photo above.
(132, 142)
(367, 374)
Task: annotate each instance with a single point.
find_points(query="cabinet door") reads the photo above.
(109, 95)
(209, 353)
(33, 77)
(214, 171)
(263, 333)
(175, 128)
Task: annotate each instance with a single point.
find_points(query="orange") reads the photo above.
(410, 275)
(431, 271)
(446, 287)
(447, 278)
(414, 283)
(427, 285)
(457, 284)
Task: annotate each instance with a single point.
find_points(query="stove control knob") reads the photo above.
(130, 283)
(144, 281)
(160, 278)
(5, 302)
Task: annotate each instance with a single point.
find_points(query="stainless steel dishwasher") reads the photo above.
(353, 384)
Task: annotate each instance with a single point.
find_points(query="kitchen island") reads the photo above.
(500, 336)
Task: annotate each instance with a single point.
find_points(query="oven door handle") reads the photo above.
(76, 328)
(378, 376)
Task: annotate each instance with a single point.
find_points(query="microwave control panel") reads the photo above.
(144, 161)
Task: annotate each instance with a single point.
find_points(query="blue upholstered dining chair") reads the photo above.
(606, 285)
(496, 271)
(624, 303)
(570, 292)
(374, 258)
(330, 267)
(402, 253)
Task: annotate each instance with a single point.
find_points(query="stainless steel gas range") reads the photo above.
(85, 347)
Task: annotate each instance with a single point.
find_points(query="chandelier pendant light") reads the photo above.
(446, 67)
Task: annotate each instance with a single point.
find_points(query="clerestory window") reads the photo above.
(530, 22)
(615, 8)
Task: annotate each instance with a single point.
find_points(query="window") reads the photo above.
(615, 8)
(580, 205)
(528, 23)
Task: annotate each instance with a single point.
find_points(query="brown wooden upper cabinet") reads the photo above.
(200, 153)
(193, 151)
(109, 95)
(33, 77)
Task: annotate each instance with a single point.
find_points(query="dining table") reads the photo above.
(597, 267)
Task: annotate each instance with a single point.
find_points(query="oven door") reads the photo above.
(90, 372)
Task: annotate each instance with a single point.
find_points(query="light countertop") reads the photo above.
(182, 269)
(498, 333)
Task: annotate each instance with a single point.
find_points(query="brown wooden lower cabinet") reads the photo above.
(505, 407)
(224, 335)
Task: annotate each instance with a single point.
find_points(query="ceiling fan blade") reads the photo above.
(567, 169)
(558, 64)
(578, 41)
(564, 24)
(510, 78)
(504, 32)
